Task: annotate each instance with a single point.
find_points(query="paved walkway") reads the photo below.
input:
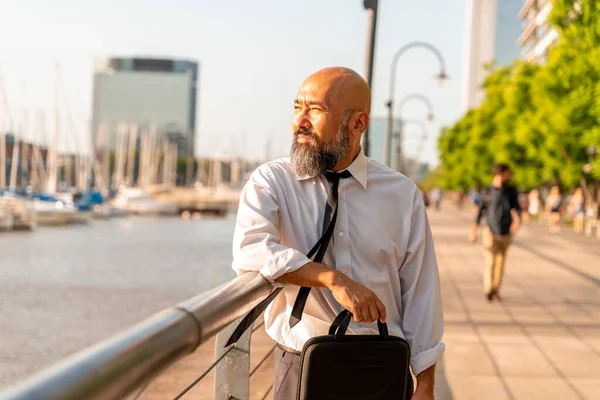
(541, 342)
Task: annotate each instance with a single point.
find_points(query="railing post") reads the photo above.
(232, 374)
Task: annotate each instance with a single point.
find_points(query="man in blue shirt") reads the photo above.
(501, 225)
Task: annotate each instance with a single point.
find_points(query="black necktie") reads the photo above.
(319, 248)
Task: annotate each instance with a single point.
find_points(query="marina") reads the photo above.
(64, 288)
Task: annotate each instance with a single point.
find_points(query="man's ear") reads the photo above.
(360, 123)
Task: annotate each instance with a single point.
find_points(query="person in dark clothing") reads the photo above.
(497, 206)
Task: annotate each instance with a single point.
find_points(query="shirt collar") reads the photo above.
(358, 169)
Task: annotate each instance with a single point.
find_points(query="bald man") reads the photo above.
(380, 262)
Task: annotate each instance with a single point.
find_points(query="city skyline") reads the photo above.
(253, 60)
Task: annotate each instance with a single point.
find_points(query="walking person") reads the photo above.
(524, 203)
(535, 204)
(577, 210)
(553, 208)
(500, 227)
(381, 262)
(436, 196)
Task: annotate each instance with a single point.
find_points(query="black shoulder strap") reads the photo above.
(319, 248)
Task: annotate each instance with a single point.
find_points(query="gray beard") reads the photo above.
(314, 158)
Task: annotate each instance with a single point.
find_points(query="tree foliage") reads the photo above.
(539, 119)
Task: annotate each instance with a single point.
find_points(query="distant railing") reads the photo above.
(122, 366)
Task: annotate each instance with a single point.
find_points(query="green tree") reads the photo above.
(538, 119)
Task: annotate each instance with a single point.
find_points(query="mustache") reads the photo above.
(306, 132)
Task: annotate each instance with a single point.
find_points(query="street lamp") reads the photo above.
(422, 141)
(371, 7)
(591, 152)
(413, 96)
(422, 98)
(441, 77)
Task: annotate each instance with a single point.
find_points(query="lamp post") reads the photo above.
(422, 140)
(371, 7)
(442, 77)
(413, 96)
(591, 152)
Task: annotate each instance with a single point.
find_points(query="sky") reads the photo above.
(253, 57)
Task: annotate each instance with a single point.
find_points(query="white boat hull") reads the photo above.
(80, 217)
(6, 222)
(48, 214)
(23, 213)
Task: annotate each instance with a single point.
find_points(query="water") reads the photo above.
(64, 288)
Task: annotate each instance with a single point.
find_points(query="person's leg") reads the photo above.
(286, 373)
(578, 223)
(556, 221)
(488, 253)
(502, 244)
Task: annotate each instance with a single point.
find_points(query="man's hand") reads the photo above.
(364, 305)
(473, 233)
(514, 227)
(354, 297)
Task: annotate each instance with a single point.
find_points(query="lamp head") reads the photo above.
(442, 78)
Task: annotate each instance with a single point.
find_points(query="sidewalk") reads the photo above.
(543, 340)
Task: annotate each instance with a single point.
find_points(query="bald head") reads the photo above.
(341, 87)
(331, 113)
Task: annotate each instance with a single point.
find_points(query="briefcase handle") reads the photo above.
(340, 325)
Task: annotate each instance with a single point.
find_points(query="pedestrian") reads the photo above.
(524, 203)
(553, 208)
(535, 204)
(381, 263)
(500, 228)
(475, 196)
(577, 210)
(436, 196)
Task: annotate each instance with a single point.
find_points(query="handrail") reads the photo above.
(121, 366)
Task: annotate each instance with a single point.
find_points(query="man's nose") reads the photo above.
(301, 121)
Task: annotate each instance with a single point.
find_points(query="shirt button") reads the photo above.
(341, 234)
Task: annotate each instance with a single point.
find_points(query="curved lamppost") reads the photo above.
(421, 145)
(442, 77)
(420, 97)
(413, 96)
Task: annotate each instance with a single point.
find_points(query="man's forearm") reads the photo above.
(474, 229)
(311, 275)
(426, 380)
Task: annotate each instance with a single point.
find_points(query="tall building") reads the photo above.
(148, 92)
(537, 35)
(492, 33)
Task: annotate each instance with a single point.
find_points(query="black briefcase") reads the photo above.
(355, 367)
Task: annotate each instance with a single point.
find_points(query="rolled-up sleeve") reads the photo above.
(423, 319)
(256, 239)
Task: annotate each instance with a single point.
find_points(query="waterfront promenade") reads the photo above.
(70, 287)
(541, 342)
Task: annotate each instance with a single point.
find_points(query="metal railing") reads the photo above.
(122, 366)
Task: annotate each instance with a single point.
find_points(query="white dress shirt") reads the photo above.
(382, 240)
